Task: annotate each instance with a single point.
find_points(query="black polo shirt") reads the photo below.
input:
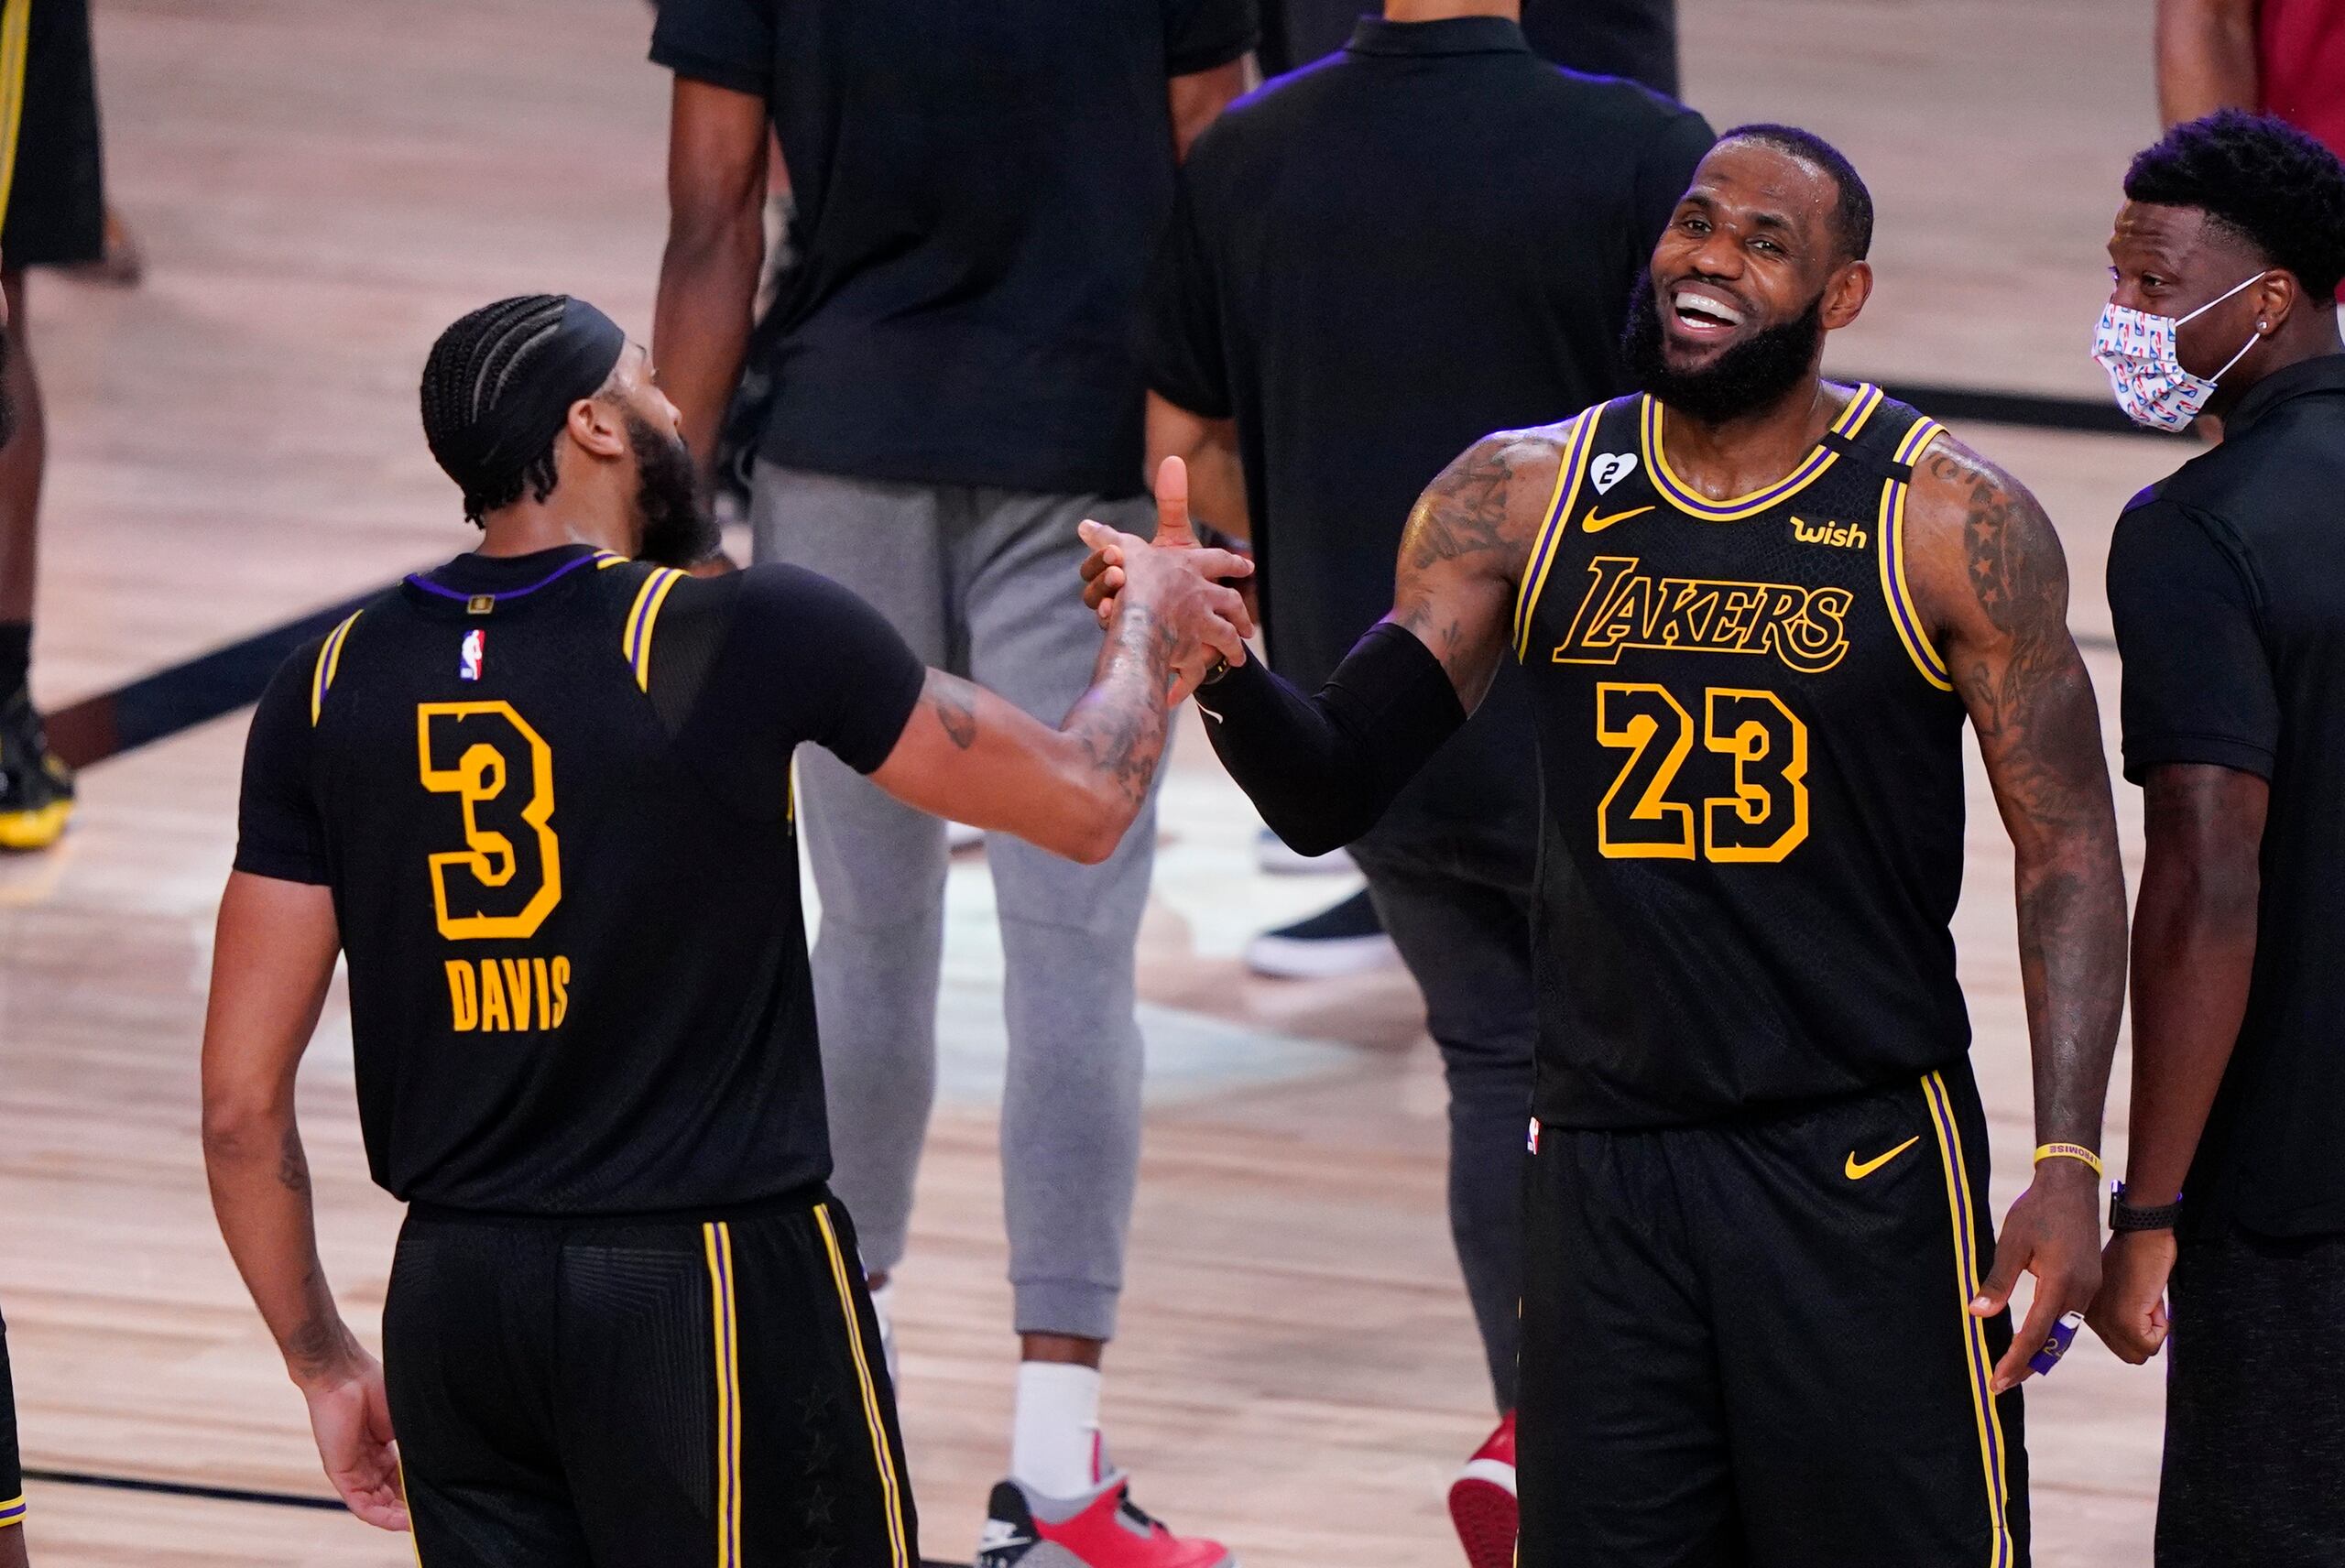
(2227, 585)
(1374, 262)
(978, 187)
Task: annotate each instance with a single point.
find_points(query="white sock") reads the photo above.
(883, 1299)
(1054, 1439)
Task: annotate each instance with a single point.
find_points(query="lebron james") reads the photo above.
(1765, 1318)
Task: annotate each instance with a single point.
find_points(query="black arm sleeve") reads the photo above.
(1323, 769)
(802, 659)
(2198, 682)
(277, 830)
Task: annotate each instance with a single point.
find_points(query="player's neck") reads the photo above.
(529, 526)
(1750, 451)
(2311, 335)
(1448, 10)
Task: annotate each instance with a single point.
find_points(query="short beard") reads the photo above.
(1754, 374)
(677, 530)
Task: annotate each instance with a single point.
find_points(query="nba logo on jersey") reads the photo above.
(468, 660)
(1533, 1139)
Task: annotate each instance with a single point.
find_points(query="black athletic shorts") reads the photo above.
(2254, 1405)
(685, 1393)
(52, 181)
(11, 1468)
(1748, 1344)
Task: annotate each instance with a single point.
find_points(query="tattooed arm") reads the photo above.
(1322, 768)
(271, 963)
(1992, 586)
(968, 754)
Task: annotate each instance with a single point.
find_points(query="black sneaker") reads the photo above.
(1345, 939)
(36, 789)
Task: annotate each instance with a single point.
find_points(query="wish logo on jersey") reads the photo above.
(1627, 608)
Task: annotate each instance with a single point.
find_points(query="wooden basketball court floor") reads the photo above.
(322, 187)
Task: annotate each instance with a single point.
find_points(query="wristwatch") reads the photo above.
(2124, 1216)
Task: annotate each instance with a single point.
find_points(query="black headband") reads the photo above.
(525, 414)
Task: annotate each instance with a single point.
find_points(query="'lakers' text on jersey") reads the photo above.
(551, 797)
(1754, 779)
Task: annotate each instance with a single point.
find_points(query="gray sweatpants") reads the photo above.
(981, 583)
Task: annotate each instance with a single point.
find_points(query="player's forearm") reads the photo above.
(2072, 963)
(1323, 768)
(2194, 956)
(2205, 52)
(1112, 741)
(708, 289)
(260, 1191)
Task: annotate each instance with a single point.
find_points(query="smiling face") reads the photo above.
(1751, 247)
(1730, 315)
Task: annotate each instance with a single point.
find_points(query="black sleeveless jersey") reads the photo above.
(556, 823)
(1752, 759)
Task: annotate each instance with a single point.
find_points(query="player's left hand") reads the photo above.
(351, 1418)
(2053, 1233)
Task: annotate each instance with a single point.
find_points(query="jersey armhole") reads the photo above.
(1568, 473)
(1904, 613)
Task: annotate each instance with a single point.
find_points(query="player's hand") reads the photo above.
(2129, 1312)
(1103, 570)
(2053, 1233)
(1179, 589)
(351, 1417)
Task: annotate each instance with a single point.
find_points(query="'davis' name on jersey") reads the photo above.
(1627, 608)
(507, 994)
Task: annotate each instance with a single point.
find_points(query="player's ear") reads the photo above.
(1845, 294)
(595, 424)
(2274, 295)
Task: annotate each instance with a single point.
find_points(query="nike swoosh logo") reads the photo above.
(1857, 1173)
(1596, 525)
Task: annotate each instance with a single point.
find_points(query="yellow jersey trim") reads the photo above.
(1904, 613)
(12, 1511)
(1813, 466)
(1980, 1363)
(329, 665)
(890, 1489)
(606, 558)
(15, 26)
(1577, 445)
(642, 616)
(725, 1335)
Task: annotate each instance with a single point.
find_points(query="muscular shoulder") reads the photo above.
(1486, 506)
(1982, 553)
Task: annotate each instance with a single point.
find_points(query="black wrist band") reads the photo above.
(2124, 1217)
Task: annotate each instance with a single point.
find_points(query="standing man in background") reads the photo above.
(1635, 39)
(52, 213)
(2277, 56)
(978, 189)
(2228, 601)
(1429, 235)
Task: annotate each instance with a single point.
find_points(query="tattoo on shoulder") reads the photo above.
(956, 707)
(1475, 507)
(2012, 556)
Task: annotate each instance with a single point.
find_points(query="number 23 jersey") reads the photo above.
(1752, 759)
(550, 795)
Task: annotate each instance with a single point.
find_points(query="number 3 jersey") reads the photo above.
(1752, 756)
(550, 794)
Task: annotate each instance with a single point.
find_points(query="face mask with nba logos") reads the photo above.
(2137, 349)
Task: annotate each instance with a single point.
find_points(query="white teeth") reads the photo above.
(1702, 307)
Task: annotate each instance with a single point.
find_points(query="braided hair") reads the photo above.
(468, 371)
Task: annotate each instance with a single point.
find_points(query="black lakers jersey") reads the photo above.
(1751, 759)
(551, 797)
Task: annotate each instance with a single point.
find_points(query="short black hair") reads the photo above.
(2268, 183)
(468, 368)
(1852, 213)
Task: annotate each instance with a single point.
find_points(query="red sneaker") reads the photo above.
(1481, 1501)
(1104, 1531)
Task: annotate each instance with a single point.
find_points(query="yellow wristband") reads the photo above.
(2069, 1151)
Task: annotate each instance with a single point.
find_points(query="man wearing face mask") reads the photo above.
(2228, 586)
